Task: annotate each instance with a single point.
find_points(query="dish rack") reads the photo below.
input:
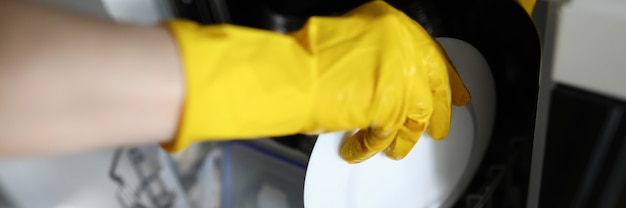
(270, 173)
(256, 173)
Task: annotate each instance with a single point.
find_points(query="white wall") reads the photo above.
(590, 46)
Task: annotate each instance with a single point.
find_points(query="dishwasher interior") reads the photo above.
(270, 172)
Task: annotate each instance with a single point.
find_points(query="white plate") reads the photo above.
(435, 172)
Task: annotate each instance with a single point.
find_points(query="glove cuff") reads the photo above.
(240, 83)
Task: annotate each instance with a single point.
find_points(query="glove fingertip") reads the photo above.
(395, 153)
(354, 150)
(460, 95)
(461, 98)
(403, 143)
(438, 134)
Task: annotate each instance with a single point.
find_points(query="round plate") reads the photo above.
(432, 175)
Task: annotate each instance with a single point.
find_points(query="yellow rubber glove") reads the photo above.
(528, 5)
(373, 68)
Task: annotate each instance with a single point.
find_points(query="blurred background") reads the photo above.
(558, 138)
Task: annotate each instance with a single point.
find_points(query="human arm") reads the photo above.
(70, 82)
(373, 69)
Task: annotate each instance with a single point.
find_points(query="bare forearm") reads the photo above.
(70, 82)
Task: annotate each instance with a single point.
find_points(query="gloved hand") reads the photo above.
(373, 68)
(528, 5)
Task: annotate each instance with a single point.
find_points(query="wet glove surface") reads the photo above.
(372, 69)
